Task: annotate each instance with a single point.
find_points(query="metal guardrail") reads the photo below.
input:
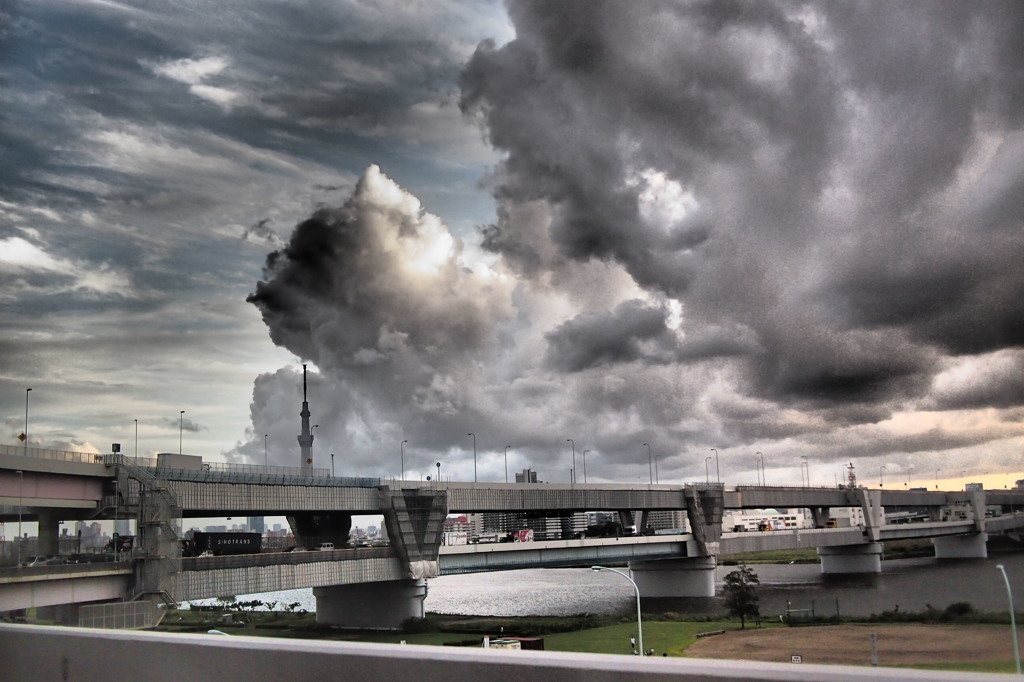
(58, 455)
(284, 558)
(9, 573)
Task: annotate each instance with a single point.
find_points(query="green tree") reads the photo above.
(741, 598)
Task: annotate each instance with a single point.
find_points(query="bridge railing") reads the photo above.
(225, 472)
(45, 453)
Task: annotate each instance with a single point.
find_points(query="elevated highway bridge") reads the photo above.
(385, 585)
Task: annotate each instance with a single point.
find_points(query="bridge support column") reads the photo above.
(689, 577)
(961, 546)
(866, 558)
(375, 606)
(49, 529)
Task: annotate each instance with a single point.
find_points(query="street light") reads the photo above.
(332, 465)
(474, 458)
(570, 440)
(585, 465)
(311, 439)
(21, 484)
(27, 391)
(402, 447)
(438, 465)
(639, 625)
(1013, 619)
(136, 442)
(650, 466)
(718, 472)
(181, 426)
(764, 476)
(657, 478)
(506, 462)
(804, 464)
(707, 476)
(266, 462)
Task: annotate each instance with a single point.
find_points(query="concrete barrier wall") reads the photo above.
(30, 652)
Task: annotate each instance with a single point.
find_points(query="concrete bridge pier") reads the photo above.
(685, 577)
(961, 546)
(49, 533)
(866, 558)
(382, 605)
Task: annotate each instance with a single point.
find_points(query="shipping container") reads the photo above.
(167, 460)
(223, 543)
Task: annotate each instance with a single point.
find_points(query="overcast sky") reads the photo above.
(794, 229)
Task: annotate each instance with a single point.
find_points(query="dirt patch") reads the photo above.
(851, 644)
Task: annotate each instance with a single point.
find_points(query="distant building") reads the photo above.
(527, 476)
(974, 487)
(257, 524)
(774, 519)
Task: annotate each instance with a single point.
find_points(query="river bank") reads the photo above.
(954, 646)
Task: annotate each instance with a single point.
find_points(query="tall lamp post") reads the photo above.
(136, 442)
(506, 462)
(27, 391)
(707, 474)
(585, 465)
(764, 476)
(403, 460)
(311, 438)
(332, 465)
(1013, 619)
(650, 465)
(805, 465)
(266, 461)
(181, 427)
(21, 482)
(639, 625)
(570, 440)
(474, 458)
(718, 472)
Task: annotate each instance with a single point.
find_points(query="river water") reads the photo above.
(906, 584)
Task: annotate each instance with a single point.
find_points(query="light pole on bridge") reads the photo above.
(718, 472)
(570, 440)
(27, 391)
(474, 457)
(585, 465)
(506, 462)
(650, 465)
(181, 427)
(707, 474)
(402, 447)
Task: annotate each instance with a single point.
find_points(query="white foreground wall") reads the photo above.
(31, 652)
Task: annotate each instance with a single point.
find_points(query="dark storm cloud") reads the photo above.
(853, 181)
(630, 333)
